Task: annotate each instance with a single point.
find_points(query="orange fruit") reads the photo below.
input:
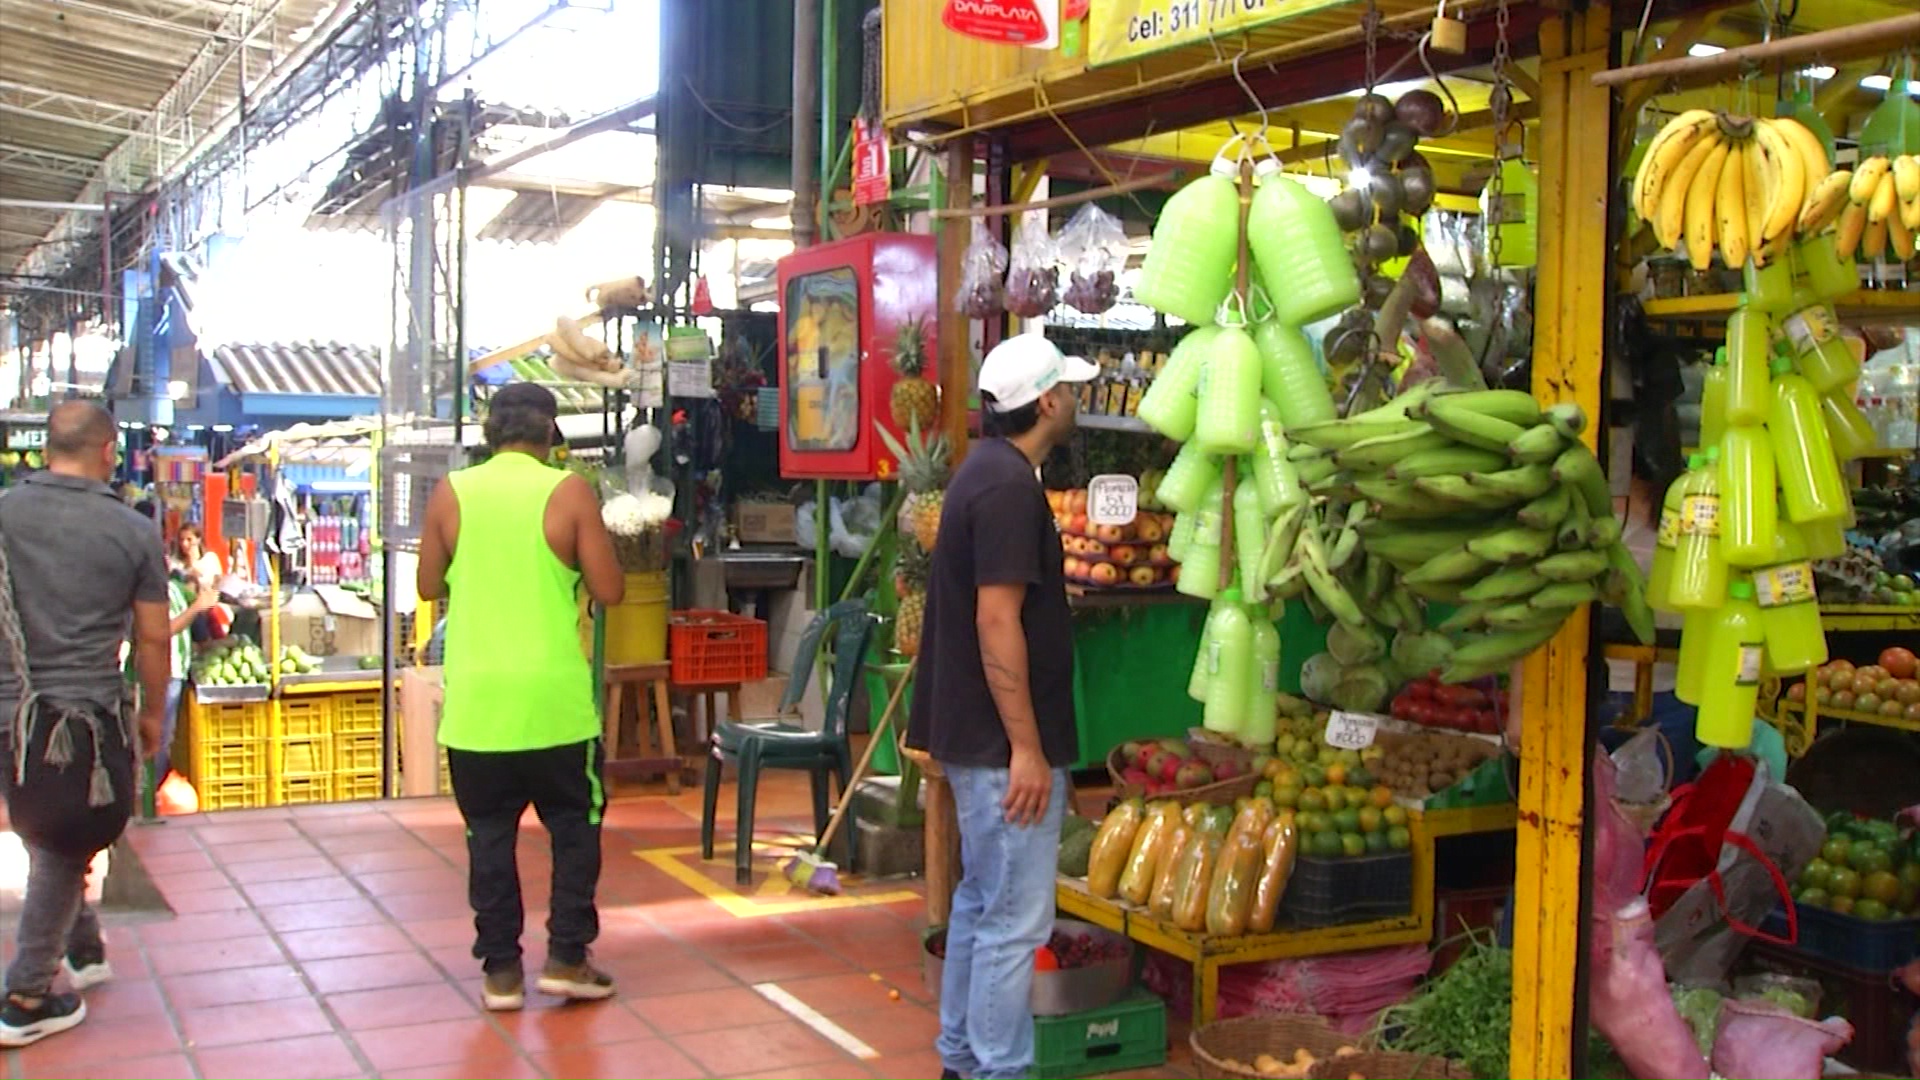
(1337, 775)
(1381, 796)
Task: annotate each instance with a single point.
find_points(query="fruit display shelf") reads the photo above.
(1880, 306)
(1869, 618)
(1799, 722)
(334, 673)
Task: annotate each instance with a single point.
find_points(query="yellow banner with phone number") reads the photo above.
(1120, 30)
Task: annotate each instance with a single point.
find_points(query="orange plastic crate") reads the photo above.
(353, 786)
(356, 713)
(232, 794)
(358, 753)
(716, 648)
(300, 790)
(306, 716)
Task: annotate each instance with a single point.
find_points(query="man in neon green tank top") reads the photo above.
(510, 543)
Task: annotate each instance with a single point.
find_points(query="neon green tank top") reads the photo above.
(515, 676)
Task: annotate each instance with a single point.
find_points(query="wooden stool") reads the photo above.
(703, 713)
(646, 734)
(942, 834)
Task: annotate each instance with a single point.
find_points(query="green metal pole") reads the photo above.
(829, 96)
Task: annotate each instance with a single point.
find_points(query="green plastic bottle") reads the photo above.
(1198, 680)
(1180, 538)
(1824, 539)
(1813, 334)
(1249, 537)
(1290, 376)
(1299, 251)
(1172, 399)
(1694, 628)
(1189, 266)
(1666, 542)
(1200, 570)
(1713, 400)
(1852, 436)
(1769, 287)
(1263, 690)
(1186, 481)
(1790, 605)
(1278, 478)
(1828, 276)
(1228, 421)
(1810, 479)
(1730, 672)
(1516, 219)
(1229, 665)
(1699, 570)
(1749, 360)
(1748, 505)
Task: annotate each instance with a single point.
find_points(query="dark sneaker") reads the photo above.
(949, 1074)
(504, 990)
(581, 982)
(86, 972)
(23, 1026)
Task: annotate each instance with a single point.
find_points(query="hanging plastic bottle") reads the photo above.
(1810, 478)
(1171, 400)
(1699, 570)
(1813, 337)
(1230, 664)
(1290, 376)
(1749, 506)
(1189, 266)
(1695, 626)
(1847, 427)
(1824, 539)
(1713, 400)
(1730, 672)
(1827, 275)
(1299, 251)
(1790, 605)
(1200, 570)
(1666, 541)
(1249, 537)
(1180, 538)
(1263, 689)
(1516, 220)
(1769, 287)
(1749, 364)
(1200, 678)
(1186, 481)
(1277, 478)
(1229, 415)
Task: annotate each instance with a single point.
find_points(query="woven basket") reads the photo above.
(1219, 793)
(1245, 1038)
(1387, 1065)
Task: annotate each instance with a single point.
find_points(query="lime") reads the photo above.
(1314, 775)
(1817, 875)
(1371, 820)
(1286, 796)
(1263, 790)
(1326, 844)
(1336, 798)
(1377, 843)
(1845, 882)
(1312, 799)
(1347, 821)
(1881, 886)
(1841, 904)
(1835, 851)
(1869, 908)
(1360, 777)
(1398, 838)
(1353, 843)
(1869, 858)
(1313, 821)
(1814, 898)
(1394, 815)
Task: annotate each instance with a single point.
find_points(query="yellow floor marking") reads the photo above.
(671, 862)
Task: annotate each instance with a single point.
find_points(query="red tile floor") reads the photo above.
(332, 941)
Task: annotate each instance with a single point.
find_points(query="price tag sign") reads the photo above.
(1351, 730)
(1112, 499)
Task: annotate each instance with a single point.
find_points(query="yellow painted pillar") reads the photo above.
(1570, 318)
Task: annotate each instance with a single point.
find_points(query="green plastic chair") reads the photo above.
(775, 743)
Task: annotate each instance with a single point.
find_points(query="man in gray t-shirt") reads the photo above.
(81, 570)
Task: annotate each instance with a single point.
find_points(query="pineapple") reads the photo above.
(910, 581)
(913, 398)
(923, 472)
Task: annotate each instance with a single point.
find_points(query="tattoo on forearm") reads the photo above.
(1001, 676)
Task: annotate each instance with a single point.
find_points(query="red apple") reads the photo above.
(1124, 554)
(1143, 576)
(1191, 775)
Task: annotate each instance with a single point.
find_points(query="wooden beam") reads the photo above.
(1833, 46)
(1074, 199)
(1477, 120)
(954, 331)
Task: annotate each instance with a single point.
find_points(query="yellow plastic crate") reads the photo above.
(310, 755)
(351, 786)
(225, 721)
(356, 713)
(234, 759)
(298, 790)
(232, 794)
(358, 753)
(307, 715)
(446, 774)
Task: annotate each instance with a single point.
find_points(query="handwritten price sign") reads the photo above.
(1352, 730)
(1112, 499)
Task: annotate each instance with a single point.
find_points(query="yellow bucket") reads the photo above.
(637, 626)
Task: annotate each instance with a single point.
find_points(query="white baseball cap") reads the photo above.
(1021, 368)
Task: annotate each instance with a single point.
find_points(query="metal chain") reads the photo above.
(1370, 24)
(1500, 99)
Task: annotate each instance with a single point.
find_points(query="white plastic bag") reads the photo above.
(1093, 248)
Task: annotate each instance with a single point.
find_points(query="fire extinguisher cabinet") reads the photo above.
(842, 307)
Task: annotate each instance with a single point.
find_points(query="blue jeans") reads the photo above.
(1002, 912)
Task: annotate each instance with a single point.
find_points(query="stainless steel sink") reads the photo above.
(749, 570)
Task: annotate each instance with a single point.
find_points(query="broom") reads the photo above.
(812, 870)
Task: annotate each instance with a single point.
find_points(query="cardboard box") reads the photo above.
(764, 523)
(330, 621)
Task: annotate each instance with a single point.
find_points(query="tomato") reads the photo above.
(1421, 690)
(1900, 663)
(1422, 713)
(1403, 707)
(1461, 697)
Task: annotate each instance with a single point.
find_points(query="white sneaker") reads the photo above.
(86, 976)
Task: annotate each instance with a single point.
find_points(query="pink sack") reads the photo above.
(1630, 1004)
(1761, 1039)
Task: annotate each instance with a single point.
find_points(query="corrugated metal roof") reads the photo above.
(311, 367)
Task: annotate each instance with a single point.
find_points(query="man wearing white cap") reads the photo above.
(994, 702)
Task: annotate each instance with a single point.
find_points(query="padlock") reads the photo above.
(1449, 35)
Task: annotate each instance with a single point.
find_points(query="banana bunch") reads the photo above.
(1746, 184)
(1479, 499)
(1881, 209)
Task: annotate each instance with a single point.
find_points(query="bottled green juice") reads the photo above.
(1749, 359)
(1249, 537)
(1299, 252)
(1189, 267)
(1699, 570)
(1826, 539)
(1263, 689)
(1730, 672)
(1852, 436)
(1186, 481)
(1172, 399)
(1228, 421)
(1229, 665)
(1809, 474)
(1713, 400)
(1180, 539)
(1828, 276)
(1278, 478)
(1748, 506)
(1515, 216)
(1199, 679)
(1200, 571)
(1290, 376)
(1789, 606)
(1769, 287)
(1694, 628)
(1660, 574)
(1822, 355)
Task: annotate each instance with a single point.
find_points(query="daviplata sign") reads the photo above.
(1125, 29)
(1034, 23)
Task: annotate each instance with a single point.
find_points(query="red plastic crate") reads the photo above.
(716, 648)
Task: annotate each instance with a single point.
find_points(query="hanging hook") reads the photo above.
(1259, 105)
(1452, 103)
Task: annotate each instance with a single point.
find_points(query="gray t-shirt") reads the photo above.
(81, 558)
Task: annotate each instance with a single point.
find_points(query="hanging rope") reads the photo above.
(872, 49)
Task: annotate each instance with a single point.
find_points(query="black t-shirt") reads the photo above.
(995, 529)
